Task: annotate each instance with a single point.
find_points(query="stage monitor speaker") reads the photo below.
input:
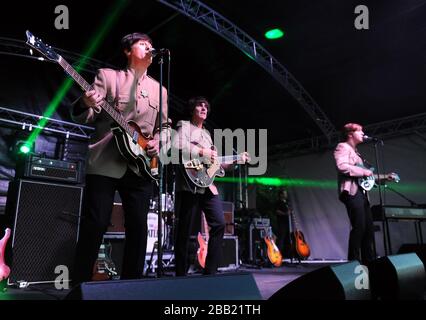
(338, 282)
(419, 249)
(230, 286)
(397, 277)
(44, 218)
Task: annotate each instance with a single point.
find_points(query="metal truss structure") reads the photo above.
(415, 124)
(13, 47)
(206, 16)
(18, 48)
(28, 121)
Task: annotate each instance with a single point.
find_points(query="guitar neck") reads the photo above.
(229, 159)
(111, 111)
(293, 220)
(380, 177)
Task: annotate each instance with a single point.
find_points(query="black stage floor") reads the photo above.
(268, 280)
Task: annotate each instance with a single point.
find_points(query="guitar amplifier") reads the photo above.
(36, 167)
(229, 260)
(228, 211)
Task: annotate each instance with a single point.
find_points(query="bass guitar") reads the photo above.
(202, 173)
(299, 246)
(131, 141)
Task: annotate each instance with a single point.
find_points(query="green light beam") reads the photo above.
(94, 44)
(322, 184)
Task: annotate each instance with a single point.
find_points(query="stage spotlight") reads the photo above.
(274, 34)
(23, 147)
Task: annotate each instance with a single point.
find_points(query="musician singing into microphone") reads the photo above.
(193, 140)
(135, 96)
(350, 167)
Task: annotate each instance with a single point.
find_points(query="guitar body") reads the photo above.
(368, 183)
(300, 247)
(273, 252)
(4, 269)
(200, 174)
(203, 243)
(134, 150)
(202, 250)
(104, 267)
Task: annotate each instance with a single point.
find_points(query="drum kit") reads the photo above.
(116, 230)
(168, 222)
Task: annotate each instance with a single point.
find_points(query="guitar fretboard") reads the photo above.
(112, 112)
(229, 159)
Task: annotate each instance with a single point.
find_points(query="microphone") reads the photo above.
(154, 52)
(369, 139)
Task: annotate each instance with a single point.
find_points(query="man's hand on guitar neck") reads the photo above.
(152, 148)
(208, 154)
(244, 158)
(92, 99)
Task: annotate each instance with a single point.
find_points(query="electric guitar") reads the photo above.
(274, 254)
(131, 141)
(104, 268)
(203, 244)
(299, 245)
(202, 173)
(4, 269)
(367, 183)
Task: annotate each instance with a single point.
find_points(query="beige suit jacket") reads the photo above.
(190, 139)
(138, 101)
(347, 161)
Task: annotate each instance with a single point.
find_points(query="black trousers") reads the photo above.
(135, 193)
(361, 238)
(283, 236)
(188, 208)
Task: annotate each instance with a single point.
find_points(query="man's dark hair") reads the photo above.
(193, 102)
(128, 40)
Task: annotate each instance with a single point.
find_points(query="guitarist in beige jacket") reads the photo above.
(136, 96)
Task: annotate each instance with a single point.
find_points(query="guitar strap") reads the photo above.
(117, 88)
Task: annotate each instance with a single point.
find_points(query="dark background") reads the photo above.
(364, 76)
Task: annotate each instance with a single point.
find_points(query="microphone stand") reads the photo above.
(160, 178)
(385, 225)
(412, 203)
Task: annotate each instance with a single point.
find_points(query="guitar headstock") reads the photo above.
(394, 177)
(42, 48)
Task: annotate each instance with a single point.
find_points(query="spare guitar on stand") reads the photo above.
(300, 249)
(274, 254)
(203, 243)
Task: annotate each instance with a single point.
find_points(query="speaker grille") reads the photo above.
(45, 230)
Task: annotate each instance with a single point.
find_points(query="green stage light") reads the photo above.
(274, 34)
(24, 149)
(66, 85)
